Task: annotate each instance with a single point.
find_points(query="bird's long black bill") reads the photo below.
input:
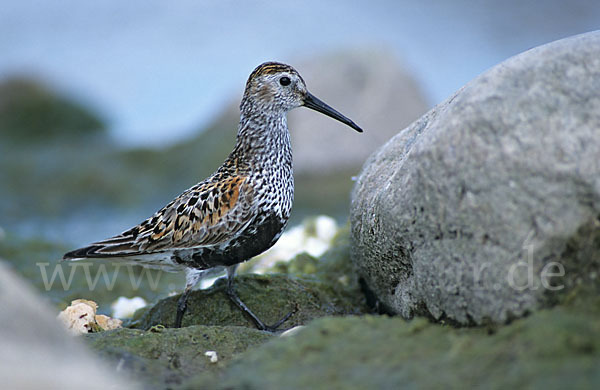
(310, 101)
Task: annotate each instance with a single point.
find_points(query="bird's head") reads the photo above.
(279, 87)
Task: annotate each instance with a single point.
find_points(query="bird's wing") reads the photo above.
(207, 214)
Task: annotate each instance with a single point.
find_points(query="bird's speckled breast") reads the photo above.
(273, 186)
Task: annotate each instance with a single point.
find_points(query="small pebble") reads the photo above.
(212, 355)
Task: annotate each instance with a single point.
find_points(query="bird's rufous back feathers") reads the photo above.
(209, 213)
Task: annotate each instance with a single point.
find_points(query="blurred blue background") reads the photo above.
(157, 71)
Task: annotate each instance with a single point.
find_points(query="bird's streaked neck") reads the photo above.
(262, 121)
(263, 131)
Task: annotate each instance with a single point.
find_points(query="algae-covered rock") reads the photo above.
(162, 358)
(270, 297)
(552, 349)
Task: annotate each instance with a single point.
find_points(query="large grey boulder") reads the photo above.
(489, 205)
(36, 352)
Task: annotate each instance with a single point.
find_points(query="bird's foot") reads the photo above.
(260, 325)
(275, 327)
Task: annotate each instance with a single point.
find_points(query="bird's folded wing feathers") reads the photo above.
(207, 214)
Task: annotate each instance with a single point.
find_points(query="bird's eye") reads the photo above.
(285, 81)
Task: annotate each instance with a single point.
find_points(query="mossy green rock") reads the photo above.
(557, 348)
(166, 357)
(270, 297)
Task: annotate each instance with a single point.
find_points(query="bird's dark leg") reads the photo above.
(192, 276)
(181, 307)
(242, 306)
